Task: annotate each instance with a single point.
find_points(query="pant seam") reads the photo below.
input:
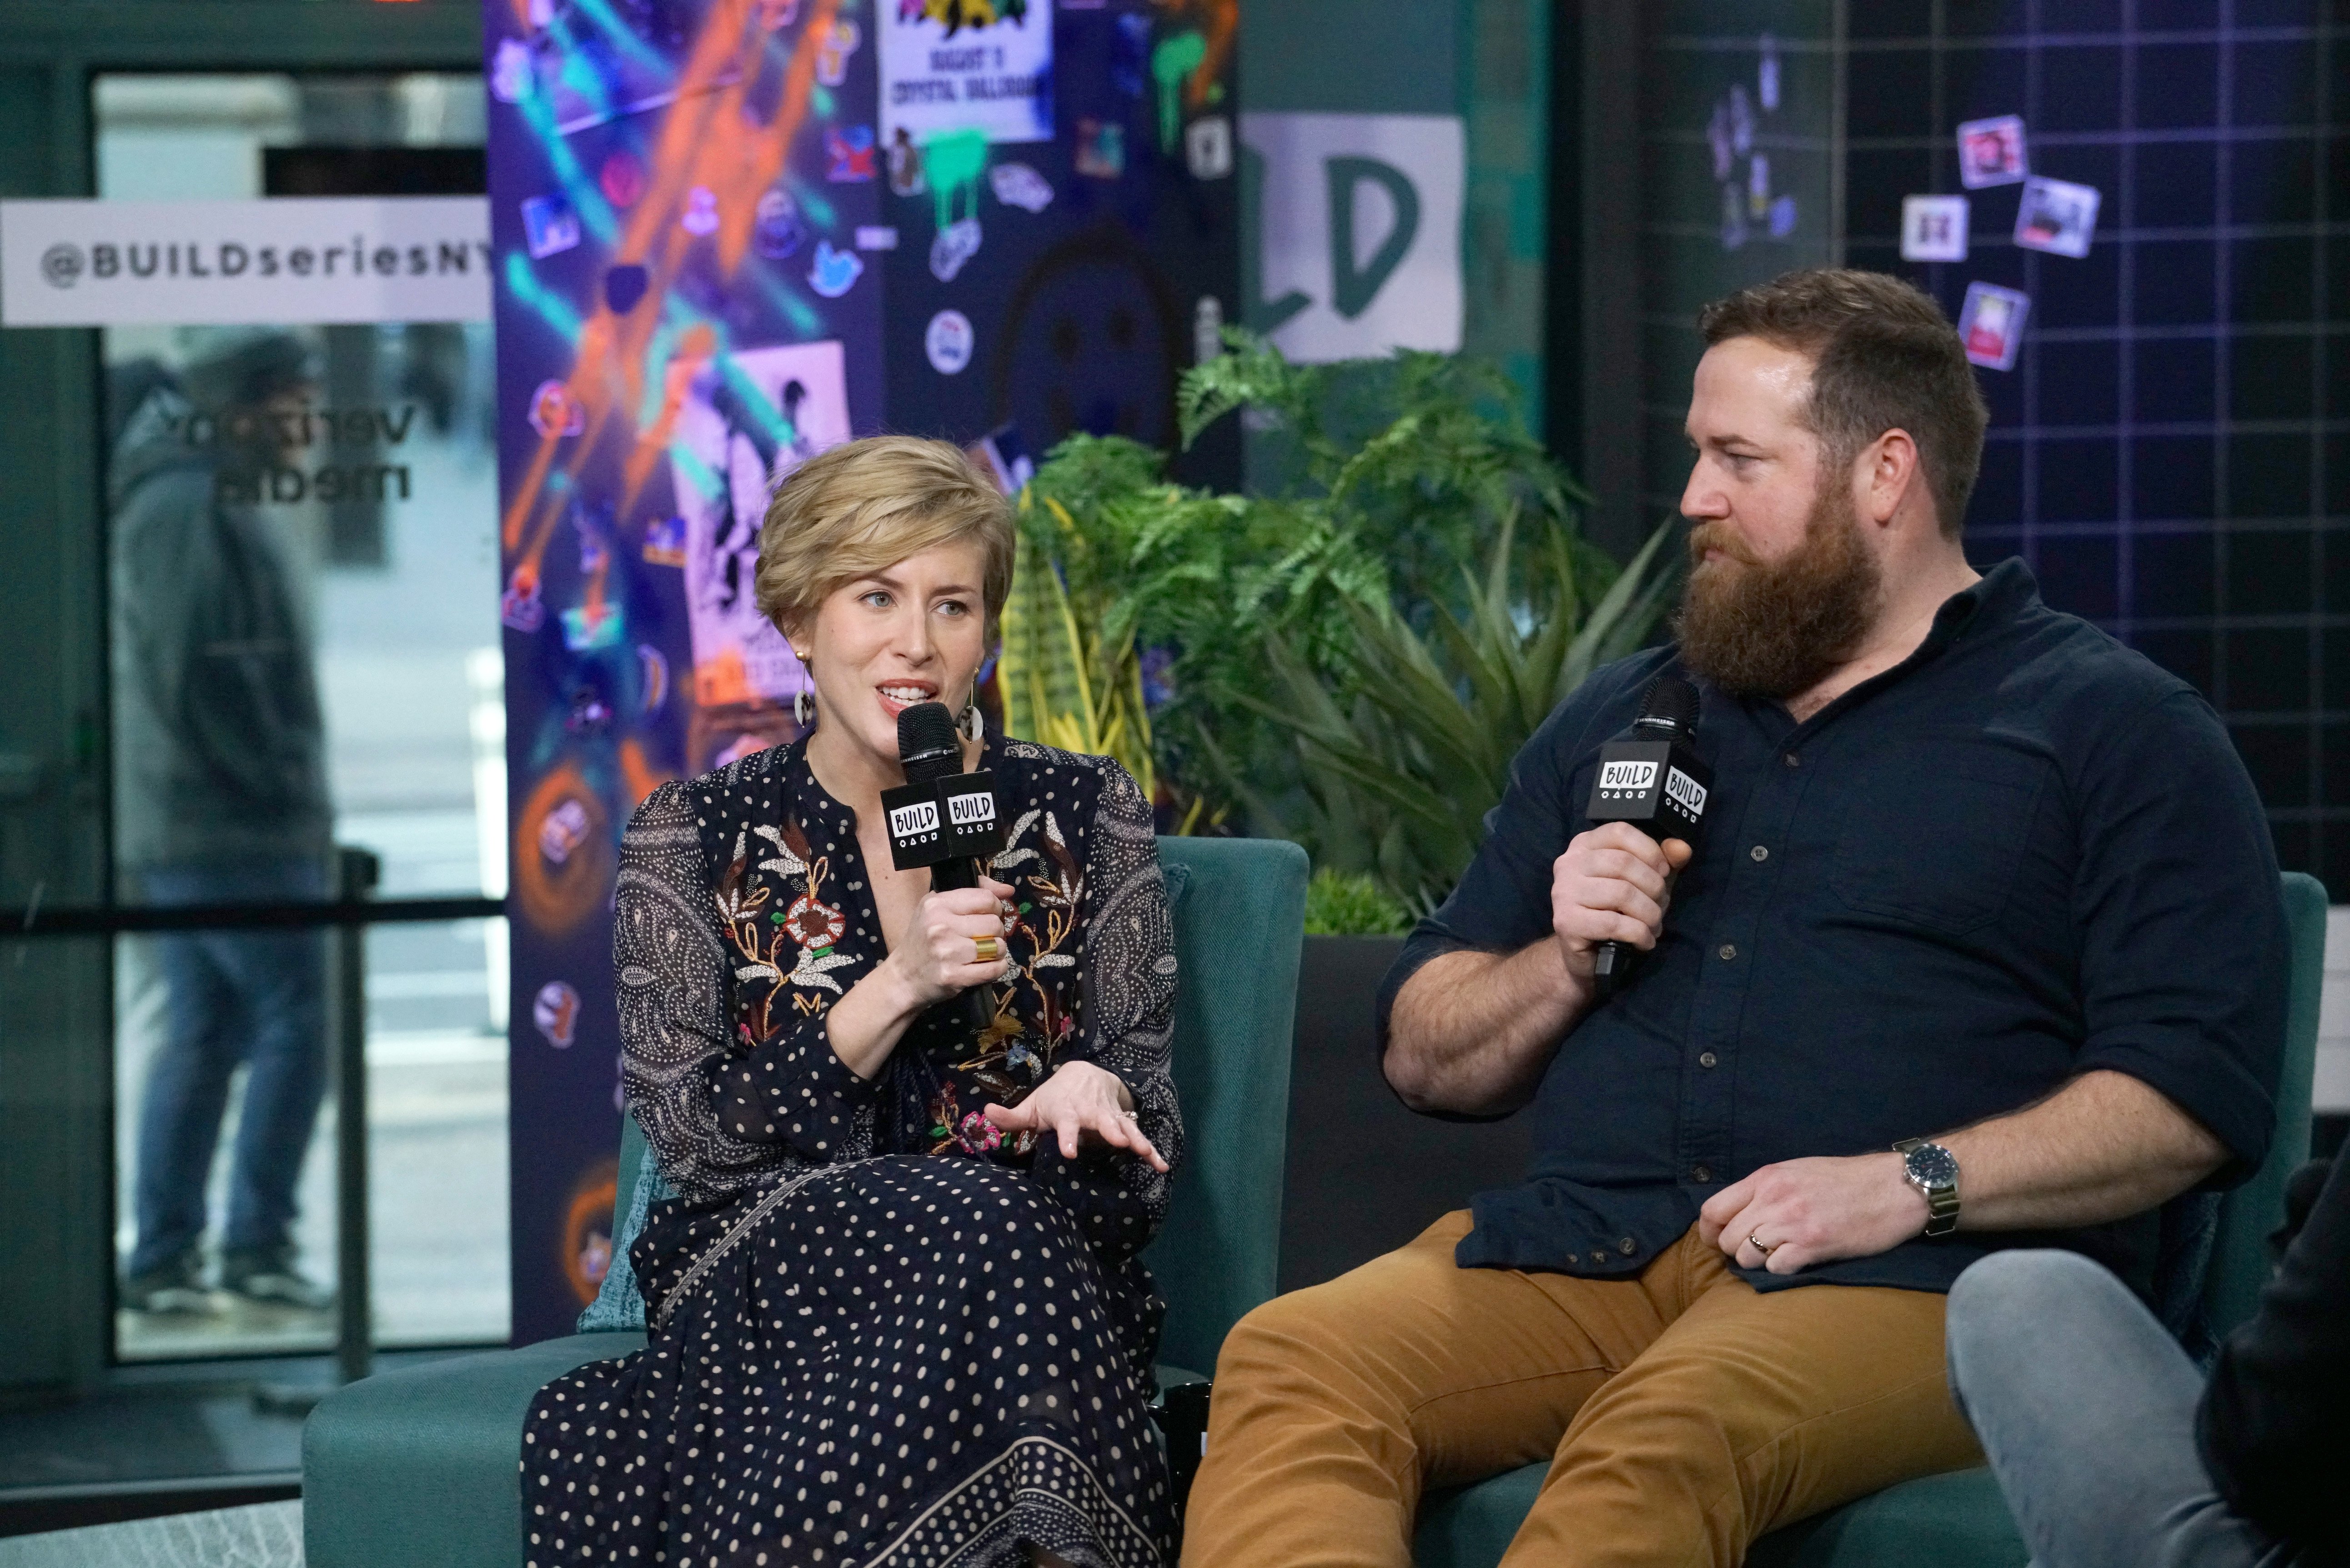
(1412, 1410)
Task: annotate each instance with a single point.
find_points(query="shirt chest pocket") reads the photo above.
(1933, 833)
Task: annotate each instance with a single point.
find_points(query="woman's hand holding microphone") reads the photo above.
(953, 942)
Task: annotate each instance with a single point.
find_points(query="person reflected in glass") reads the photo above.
(896, 1312)
(221, 797)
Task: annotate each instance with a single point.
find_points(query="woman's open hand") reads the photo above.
(937, 954)
(1080, 1102)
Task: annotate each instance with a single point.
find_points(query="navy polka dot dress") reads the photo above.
(880, 1333)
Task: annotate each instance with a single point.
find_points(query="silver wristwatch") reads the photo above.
(1934, 1171)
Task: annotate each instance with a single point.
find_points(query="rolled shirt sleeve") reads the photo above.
(2184, 956)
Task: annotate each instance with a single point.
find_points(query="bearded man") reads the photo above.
(1982, 947)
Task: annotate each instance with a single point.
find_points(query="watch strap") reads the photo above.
(1942, 1198)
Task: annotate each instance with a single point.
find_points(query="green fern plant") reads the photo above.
(1409, 748)
(1350, 663)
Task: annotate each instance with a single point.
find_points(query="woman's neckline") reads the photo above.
(989, 754)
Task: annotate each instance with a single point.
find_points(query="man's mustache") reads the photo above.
(1718, 537)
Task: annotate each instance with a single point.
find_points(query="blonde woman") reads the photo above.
(896, 1314)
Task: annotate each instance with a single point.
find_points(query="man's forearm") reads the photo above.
(2105, 1147)
(1471, 1032)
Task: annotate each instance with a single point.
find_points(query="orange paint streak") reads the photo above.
(640, 777)
(701, 142)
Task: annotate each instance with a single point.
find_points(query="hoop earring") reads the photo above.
(975, 723)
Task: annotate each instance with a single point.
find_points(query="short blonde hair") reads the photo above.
(863, 506)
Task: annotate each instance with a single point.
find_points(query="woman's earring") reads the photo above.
(803, 701)
(975, 723)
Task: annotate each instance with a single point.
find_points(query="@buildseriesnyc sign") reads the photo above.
(282, 260)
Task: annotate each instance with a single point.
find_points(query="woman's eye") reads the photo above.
(879, 599)
(954, 606)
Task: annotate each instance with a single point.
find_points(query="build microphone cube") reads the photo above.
(1658, 786)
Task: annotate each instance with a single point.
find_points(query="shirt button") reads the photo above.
(1790, 759)
(1627, 1246)
(1598, 1257)
(1707, 1059)
(1727, 950)
(1758, 854)
(1701, 1174)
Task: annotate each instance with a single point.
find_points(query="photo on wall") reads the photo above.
(745, 420)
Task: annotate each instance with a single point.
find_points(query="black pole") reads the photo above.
(356, 872)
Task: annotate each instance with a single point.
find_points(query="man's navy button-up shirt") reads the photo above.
(2023, 854)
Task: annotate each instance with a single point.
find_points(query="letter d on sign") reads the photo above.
(1354, 285)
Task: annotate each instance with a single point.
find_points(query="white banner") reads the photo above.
(1360, 219)
(282, 261)
(991, 73)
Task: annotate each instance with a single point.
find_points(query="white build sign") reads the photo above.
(278, 261)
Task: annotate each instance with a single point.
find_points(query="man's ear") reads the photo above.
(1889, 474)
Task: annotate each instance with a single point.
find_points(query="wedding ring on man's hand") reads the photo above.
(988, 952)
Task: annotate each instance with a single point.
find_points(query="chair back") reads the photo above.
(2240, 1259)
(1240, 925)
(1239, 908)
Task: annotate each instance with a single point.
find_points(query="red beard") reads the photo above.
(1778, 628)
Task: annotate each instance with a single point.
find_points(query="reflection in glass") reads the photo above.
(303, 588)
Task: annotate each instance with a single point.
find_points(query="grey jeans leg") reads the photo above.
(2086, 1408)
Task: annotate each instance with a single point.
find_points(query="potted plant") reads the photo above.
(1350, 661)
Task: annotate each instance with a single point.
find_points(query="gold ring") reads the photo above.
(988, 951)
(1756, 1242)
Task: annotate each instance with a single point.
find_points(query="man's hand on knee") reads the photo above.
(1801, 1212)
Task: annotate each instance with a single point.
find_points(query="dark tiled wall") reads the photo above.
(2171, 453)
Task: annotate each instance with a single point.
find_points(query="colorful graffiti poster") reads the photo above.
(680, 193)
(745, 420)
(950, 65)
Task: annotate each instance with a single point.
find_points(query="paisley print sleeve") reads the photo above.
(667, 963)
(719, 1115)
(1127, 1022)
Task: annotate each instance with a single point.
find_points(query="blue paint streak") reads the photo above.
(552, 308)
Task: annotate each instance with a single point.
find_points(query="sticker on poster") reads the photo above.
(777, 231)
(554, 411)
(1101, 149)
(1991, 151)
(952, 246)
(848, 154)
(1018, 186)
(947, 341)
(1207, 329)
(1934, 228)
(556, 1010)
(835, 272)
(745, 420)
(549, 226)
(511, 71)
(840, 41)
(1208, 146)
(520, 608)
(950, 65)
(906, 172)
(2056, 216)
(1990, 325)
(665, 542)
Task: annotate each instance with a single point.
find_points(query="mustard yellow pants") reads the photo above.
(1682, 1412)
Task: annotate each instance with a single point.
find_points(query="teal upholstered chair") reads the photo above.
(1958, 1520)
(420, 1467)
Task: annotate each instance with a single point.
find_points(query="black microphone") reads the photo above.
(944, 818)
(1655, 781)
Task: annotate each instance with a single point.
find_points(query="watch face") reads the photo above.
(1932, 1164)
